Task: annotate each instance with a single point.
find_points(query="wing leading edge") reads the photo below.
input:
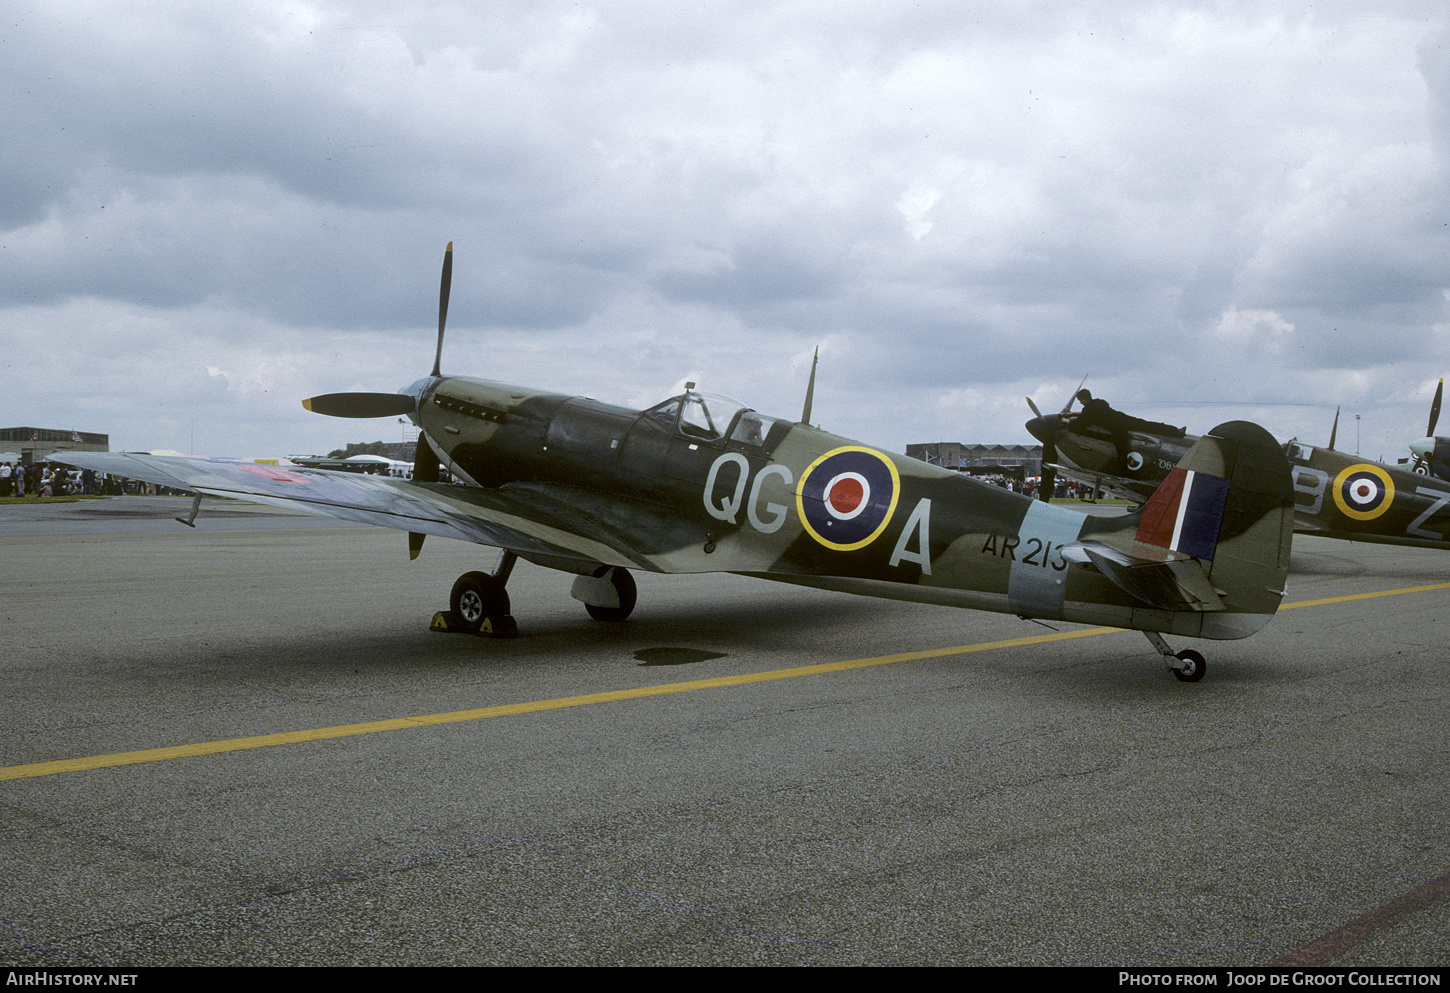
(496, 517)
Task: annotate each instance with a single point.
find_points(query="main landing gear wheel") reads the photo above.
(478, 597)
(627, 592)
(1193, 666)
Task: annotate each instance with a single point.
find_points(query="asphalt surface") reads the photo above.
(1059, 802)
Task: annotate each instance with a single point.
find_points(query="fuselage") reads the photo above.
(701, 483)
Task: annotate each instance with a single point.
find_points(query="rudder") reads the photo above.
(1213, 541)
(1229, 503)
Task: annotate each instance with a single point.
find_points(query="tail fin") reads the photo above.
(1213, 540)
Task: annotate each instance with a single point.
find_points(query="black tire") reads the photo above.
(1196, 666)
(628, 595)
(475, 596)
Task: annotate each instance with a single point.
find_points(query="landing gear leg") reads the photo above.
(479, 603)
(1188, 666)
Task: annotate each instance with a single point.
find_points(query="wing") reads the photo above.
(538, 522)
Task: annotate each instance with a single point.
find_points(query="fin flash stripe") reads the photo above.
(1185, 513)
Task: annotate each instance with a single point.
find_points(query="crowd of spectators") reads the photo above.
(20, 480)
(1062, 489)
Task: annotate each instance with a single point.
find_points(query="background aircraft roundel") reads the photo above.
(1363, 492)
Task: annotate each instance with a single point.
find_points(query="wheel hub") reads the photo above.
(470, 605)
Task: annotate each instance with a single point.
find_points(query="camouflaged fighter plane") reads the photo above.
(1336, 495)
(702, 483)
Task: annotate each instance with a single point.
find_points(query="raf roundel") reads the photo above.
(847, 496)
(1363, 492)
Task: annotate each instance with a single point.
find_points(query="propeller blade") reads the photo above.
(1049, 472)
(425, 470)
(1068, 406)
(425, 462)
(1435, 410)
(1334, 431)
(444, 284)
(1049, 483)
(360, 404)
(1035, 411)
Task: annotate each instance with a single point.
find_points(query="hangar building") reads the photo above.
(28, 445)
(955, 455)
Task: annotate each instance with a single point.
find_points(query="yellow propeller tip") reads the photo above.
(307, 404)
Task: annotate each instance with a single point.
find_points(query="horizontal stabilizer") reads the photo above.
(1168, 582)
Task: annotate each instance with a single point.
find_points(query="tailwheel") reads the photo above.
(480, 604)
(614, 594)
(1191, 666)
(1188, 666)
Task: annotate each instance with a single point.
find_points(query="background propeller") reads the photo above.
(1425, 448)
(1049, 470)
(1428, 455)
(1045, 429)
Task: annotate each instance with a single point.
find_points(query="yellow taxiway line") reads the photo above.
(36, 769)
(1364, 596)
(507, 710)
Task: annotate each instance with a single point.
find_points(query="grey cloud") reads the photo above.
(953, 198)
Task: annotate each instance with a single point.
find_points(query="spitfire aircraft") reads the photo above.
(702, 483)
(1336, 495)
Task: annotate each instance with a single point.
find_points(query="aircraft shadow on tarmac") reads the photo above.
(1314, 564)
(693, 632)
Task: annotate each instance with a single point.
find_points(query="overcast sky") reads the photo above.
(1212, 210)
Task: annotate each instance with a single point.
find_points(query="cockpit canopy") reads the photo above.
(710, 416)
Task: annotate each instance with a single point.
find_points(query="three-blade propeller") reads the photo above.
(1425, 447)
(425, 459)
(1044, 429)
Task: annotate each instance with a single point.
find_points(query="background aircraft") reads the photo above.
(356, 463)
(1432, 453)
(702, 483)
(1336, 494)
